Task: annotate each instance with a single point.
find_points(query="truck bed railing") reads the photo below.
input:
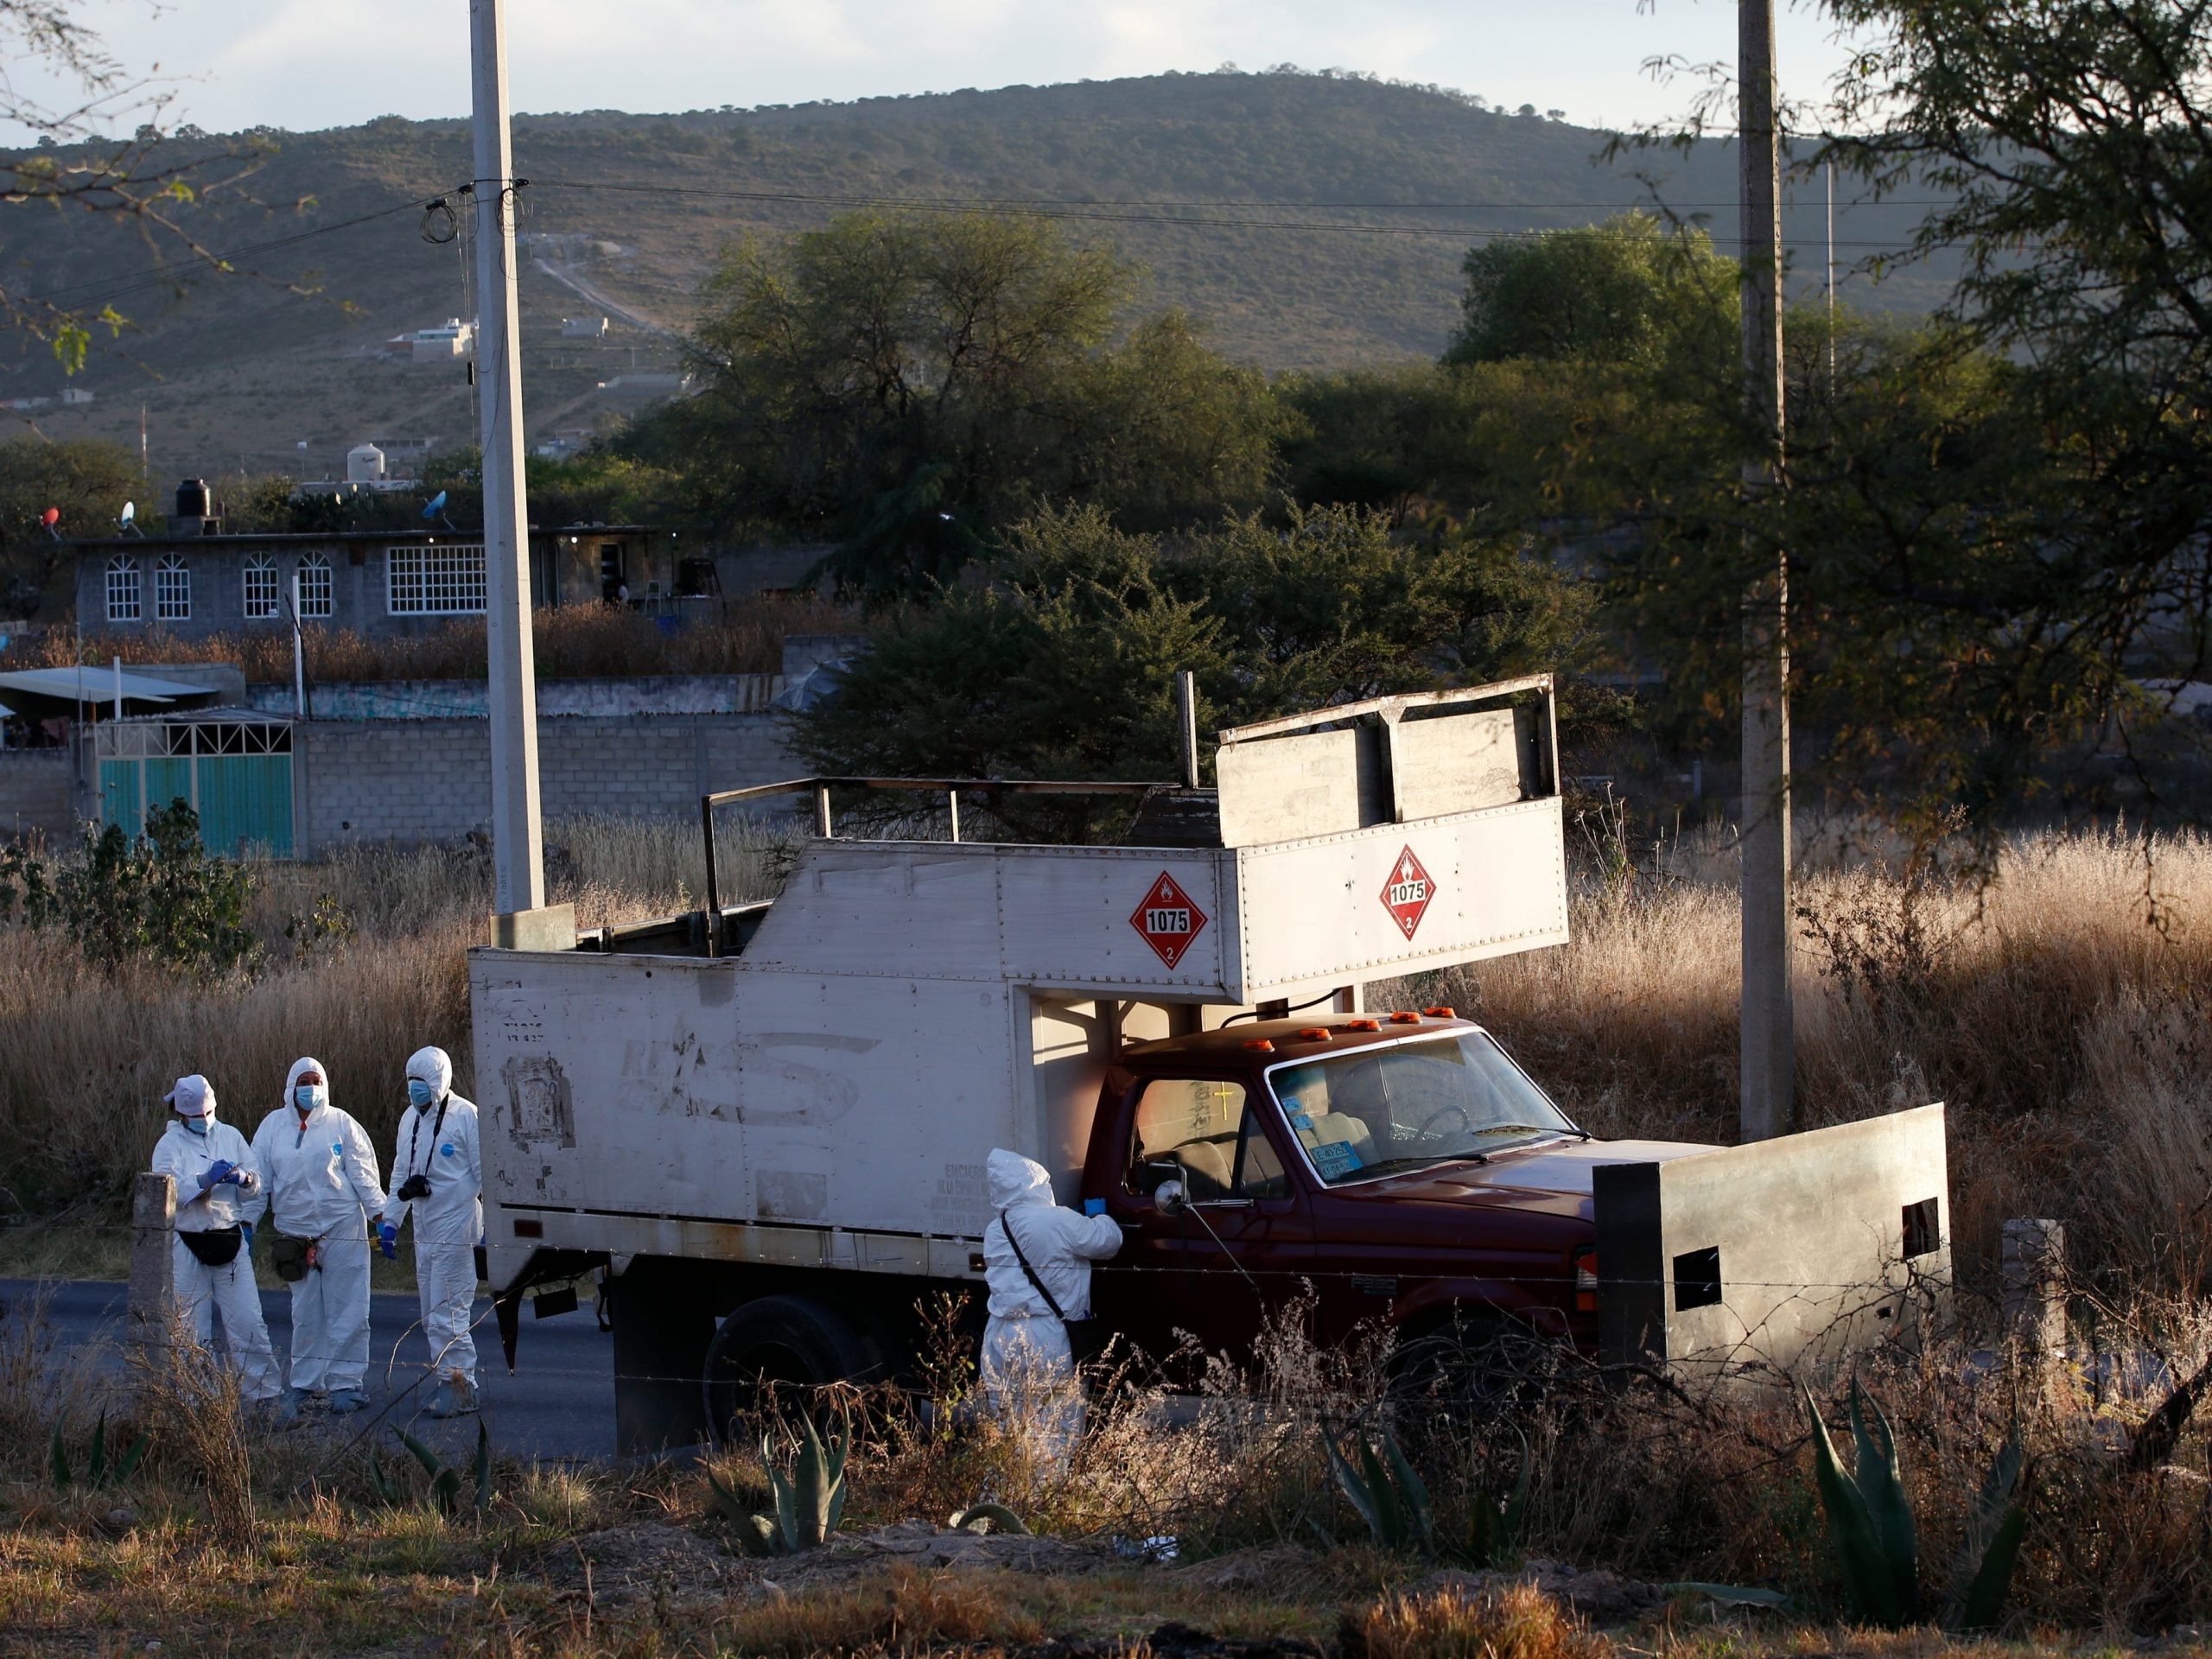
(825, 826)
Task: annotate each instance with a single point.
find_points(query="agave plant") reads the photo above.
(1389, 1496)
(1494, 1518)
(1877, 1544)
(445, 1489)
(97, 1471)
(809, 1500)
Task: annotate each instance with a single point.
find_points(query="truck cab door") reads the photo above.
(1239, 1251)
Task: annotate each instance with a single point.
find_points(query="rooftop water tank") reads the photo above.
(194, 499)
(363, 464)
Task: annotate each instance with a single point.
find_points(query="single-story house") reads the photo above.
(378, 583)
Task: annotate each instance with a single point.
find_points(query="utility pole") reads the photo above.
(518, 845)
(1768, 1048)
(1830, 170)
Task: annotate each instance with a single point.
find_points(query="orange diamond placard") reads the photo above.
(1407, 894)
(1168, 919)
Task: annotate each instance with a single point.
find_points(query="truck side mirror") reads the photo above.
(1170, 1198)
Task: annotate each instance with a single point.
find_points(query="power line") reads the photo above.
(112, 287)
(1085, 213)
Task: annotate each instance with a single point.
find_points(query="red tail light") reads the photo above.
(1586, 1281)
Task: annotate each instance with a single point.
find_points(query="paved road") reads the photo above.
(559, 1404)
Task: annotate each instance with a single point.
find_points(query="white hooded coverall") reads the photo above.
(1028, 1373)
(319, 1181)
(201, 1290)
(441, 1145)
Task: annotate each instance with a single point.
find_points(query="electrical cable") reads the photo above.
(110, 288)
(1084, 212)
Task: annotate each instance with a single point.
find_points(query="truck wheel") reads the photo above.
(787, 1343)
(1475, 1365)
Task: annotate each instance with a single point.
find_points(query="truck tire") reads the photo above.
(1475, 1365)
(795, 1343)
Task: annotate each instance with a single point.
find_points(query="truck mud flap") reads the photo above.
(1781, 1256)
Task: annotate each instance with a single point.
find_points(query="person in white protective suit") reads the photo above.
(324, 1198)
(216, 1177)
(1038, 1278)
(438, 1177)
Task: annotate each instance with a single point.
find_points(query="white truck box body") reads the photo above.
(906, 1007)
(831, 1093)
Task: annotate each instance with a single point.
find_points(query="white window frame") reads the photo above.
(261, 591)
(125, 590)
(435, 579)
(316, 585)
(172, 589)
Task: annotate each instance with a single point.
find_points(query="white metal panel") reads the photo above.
(1460, 763)
(1066, 916)
(873, 1103)
(608, 1082)
(926, 909)
(1288, 788)
(1315, 911)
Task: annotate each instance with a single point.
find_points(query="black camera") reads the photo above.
(415, 1187)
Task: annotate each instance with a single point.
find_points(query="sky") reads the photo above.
(306, 64)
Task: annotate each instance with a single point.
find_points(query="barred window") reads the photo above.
(435, 579)
(122, 589)
(314, 586)
(261, 589)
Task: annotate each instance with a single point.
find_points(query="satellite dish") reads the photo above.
(129, 511)
(437, 506)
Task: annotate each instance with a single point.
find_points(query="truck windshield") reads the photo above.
(1380, 1111)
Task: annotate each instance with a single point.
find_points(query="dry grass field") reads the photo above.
(2058, 1006)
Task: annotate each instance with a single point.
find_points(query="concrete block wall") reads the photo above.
(430, 780)
(38, 792)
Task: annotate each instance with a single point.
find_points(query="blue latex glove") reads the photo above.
(387, 1240)
(246, 1228)
(220, 1170)
(235, 1175)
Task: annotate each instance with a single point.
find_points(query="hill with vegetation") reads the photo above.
(1307, 221)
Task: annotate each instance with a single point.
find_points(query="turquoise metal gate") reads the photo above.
(235, 771)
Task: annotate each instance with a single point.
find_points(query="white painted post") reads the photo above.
(1768, 1037)
(299, 653)
(517, 846)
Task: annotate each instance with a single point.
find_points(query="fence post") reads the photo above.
(2033, 1277)
(153, 1262)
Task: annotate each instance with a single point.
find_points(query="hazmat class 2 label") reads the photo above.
(1407, 893)
(1168, 919)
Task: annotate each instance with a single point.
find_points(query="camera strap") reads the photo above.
(415, 1138)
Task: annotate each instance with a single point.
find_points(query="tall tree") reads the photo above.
(1632, 291)
(907, 384)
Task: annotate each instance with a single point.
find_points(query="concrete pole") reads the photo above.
(2032, 1279)
(147, 1308)
(518, 843)
(1767, 1038)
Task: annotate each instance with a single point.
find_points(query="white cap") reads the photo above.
(194, 1096)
